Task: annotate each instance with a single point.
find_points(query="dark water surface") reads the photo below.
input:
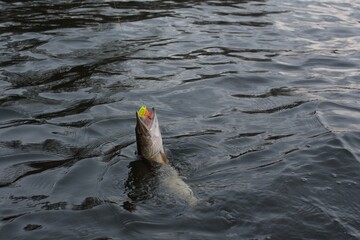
(258, 102)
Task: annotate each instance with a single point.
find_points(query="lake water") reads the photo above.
(258, 104)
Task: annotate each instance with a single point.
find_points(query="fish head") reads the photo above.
(148, 138)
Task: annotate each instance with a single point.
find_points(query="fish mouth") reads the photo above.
(146, 122)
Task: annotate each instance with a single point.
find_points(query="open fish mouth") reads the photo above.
(145, 119)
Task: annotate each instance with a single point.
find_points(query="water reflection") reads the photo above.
(141, 183)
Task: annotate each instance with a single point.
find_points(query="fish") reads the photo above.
(148, 137)
(173, 183)
(150, 147)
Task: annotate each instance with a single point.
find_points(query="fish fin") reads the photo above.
(164, 158)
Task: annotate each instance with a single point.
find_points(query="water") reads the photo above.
(258, 103)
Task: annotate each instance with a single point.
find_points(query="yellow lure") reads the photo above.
(142, 111)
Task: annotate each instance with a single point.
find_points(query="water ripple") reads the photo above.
(257, 102)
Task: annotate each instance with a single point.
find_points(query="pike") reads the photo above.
(150, 147)
(148, 136)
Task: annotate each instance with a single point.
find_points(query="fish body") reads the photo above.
(174, 184)
(148, 138)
